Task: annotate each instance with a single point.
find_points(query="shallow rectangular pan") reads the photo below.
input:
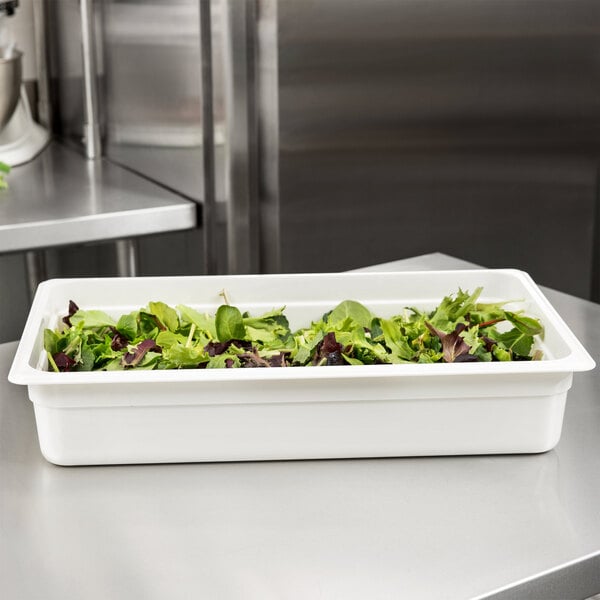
(297, 413)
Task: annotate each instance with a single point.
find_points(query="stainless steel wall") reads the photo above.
(352, 132)
(407, 126)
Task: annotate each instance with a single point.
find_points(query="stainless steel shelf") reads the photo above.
(60, 198)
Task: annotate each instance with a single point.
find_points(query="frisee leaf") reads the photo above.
(453, 308)
(396, 341)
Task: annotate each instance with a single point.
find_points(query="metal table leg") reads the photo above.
(127, 257)
(35, 269)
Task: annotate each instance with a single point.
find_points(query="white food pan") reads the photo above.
(193, 415)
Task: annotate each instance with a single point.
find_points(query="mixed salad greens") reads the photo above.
(459, 329)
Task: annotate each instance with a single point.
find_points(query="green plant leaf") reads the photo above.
(87, 359)
(167, 315)
(229, 323)
(222, 361)
(268, 328)
(352, 361)
(127, 326)
(453, 308)
(396, 341)
(51, 340)
(350, 309)
(180, 356)
(201, 321)
(91, 318)
(501, 354)
(166, 339)
(526, 325)
(518, 342)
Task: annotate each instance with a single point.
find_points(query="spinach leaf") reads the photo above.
(525, 325)
(516, 341)
(127, 326)
(350, 309)
(229, 323)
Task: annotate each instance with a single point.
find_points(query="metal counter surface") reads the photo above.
(500, 527)
(61, 198)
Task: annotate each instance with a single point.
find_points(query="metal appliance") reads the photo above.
(386, 129)
(21, 138)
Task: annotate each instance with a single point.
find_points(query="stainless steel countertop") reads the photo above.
(503, 527)
(61, 198)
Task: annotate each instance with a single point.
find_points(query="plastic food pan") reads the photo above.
(193, 415)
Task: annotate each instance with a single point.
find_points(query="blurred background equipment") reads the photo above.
(21, 138)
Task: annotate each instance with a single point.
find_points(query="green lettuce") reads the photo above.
(158, 336)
